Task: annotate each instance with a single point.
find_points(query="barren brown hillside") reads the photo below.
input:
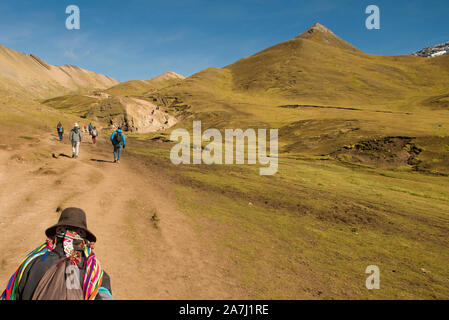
(23, 74)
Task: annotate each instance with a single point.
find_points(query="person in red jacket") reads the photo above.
(94, 134)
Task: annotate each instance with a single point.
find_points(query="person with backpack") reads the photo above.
(90, 128)
(94, 135)
(64, 267)
(60, 129)
(119, 142)
(76, 138)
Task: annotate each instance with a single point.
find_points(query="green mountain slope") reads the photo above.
(318, 67)
(142, 87)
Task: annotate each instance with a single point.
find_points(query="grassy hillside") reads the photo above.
(142, 87)
(364, 158)
(131, 88)
(326, 97)
(309, 70)
(310, 231)
(87, 107)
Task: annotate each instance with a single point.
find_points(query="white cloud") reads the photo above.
(70, 54)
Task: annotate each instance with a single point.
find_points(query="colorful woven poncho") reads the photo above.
(93, 275)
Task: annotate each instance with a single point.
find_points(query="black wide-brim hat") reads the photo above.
(72, 217)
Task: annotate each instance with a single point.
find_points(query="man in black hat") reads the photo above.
(69, 240)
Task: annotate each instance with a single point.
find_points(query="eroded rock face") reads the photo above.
(142, 116)
(139, 115)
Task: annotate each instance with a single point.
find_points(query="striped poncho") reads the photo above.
(93, 275)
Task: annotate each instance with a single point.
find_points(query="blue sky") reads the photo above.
(139, 39)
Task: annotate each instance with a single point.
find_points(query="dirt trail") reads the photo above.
(144, 262)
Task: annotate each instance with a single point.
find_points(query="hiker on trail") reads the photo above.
(60, 129)
(94, 135)
(76, 138)
(119, 142)
(64, 267)
(90, 128)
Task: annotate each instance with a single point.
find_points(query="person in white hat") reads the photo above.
(76, 138)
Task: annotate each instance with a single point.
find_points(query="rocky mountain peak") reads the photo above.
(317, 27)
(433, 51)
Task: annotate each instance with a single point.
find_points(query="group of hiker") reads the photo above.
(92, 131)
(117, 139)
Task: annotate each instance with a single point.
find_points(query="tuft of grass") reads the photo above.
(155, 219)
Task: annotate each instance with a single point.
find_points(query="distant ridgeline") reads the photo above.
(433, 51)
